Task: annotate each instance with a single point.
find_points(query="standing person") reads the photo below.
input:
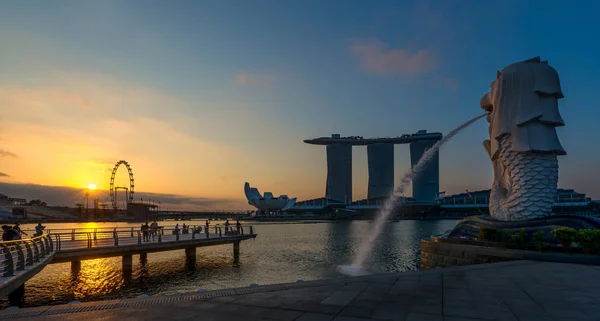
(238, 226)
(145, 229)
(207, 224)
(176, 231)
(153, 228)
(17, 229)
(226, 226)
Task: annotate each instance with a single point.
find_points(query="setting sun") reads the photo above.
(92, 186)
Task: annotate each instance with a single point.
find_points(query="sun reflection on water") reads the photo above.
(96, 277)
(90, 225)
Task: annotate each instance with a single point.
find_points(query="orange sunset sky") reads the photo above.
(200, 97)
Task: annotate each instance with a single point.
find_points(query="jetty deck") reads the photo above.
(23, 259)
(105, 247)
(510, 291)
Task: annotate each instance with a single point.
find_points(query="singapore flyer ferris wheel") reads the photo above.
(129, 191)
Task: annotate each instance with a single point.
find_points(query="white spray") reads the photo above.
(365, 248)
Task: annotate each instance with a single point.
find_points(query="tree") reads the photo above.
(79, 207)
(37, 203)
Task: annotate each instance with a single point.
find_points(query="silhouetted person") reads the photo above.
(17, 228)
(153, 229)
(9, 234)
(39, 230)
(5, 235)
(226, 226)
(238, 226)
(145, 229)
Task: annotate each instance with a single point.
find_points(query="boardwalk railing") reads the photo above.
(115, 236)
(18, 255)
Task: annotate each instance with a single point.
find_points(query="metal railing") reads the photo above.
(17, 255)
(103, 237)
(220, 213)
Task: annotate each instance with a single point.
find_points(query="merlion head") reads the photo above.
(523, 103)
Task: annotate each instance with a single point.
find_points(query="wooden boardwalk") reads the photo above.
(101, 248)
(25, 258)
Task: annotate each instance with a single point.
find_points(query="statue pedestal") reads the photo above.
(470, 226)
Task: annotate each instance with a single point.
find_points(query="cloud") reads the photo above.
(428, 18)
(4, 175)
(185, 202)
(73, 100)
(5, 153)
(69, 196)
(58, 144)
(103, 162)
(451, 83)
(246, 79)
(39, 97)
(378, 58)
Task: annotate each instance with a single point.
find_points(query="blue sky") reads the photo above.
(200, 96)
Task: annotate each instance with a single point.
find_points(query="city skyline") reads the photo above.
(201, 97)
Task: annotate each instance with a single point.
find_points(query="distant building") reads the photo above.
(376, 203)
(568, 201)
(5, 200)
(381, 170)
(380, 151)
(267, 203)
(321, 204)
(426, 185)
(142, 211)
(339, 172)
(457, 206)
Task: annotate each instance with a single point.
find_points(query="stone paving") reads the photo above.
(519, 290)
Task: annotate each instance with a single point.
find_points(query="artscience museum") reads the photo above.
(267, 203)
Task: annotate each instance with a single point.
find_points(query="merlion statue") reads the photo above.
(523, 144)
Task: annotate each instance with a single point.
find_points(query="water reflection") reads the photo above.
(143, 261)
(387, 255)
(236, 261)
(280, 253)
(340, 241)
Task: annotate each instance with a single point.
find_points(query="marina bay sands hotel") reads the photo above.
(380, 153)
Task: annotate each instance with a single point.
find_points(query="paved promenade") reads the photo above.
(520, 290)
